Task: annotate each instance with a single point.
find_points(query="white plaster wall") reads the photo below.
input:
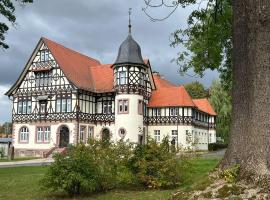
(200, 138)
(132, 122)
(32, 135)
(212, 133)
(166, 130)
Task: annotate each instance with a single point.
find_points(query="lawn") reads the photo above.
(18, 159)
(23, 183)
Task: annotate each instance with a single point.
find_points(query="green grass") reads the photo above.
(23, 183)
(18, 159)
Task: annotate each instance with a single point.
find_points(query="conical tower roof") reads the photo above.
(129, 52)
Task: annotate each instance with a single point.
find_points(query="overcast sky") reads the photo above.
(94, 28)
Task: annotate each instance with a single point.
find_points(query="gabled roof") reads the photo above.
(170, 96)
(75, 65)
(204, 105)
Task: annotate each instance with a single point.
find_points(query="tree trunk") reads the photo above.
(249, 143)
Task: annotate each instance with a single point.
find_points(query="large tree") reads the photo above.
(7, 10)
(250, 129)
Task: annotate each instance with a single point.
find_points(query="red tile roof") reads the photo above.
(170, 96)
(89, 74)
(102, 78)
(204, 105)
(161, 82)
(75, 65)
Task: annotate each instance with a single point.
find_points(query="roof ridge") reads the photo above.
(69, 49)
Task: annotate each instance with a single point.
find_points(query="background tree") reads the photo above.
(196, 90)
(7, 10)
(6, 128)
(220, 99)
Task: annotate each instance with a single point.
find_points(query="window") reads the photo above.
(140, 107)
(24, 107)
(90, 132)
(82, 134)
(175, 135)
(174, 111)
(156, 112)
(43, 106)
(107, 107)
(68, 105)
(63, 105)
(24, 134)
(47, 134)
(43, 134)
(43, 78)
(44, 55)
(157, 135)
(122, 78)
(122, 106)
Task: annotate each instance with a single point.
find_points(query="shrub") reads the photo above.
(74, 172)
(216, 146)
(155, 166)
(89, 168)
(101, 166)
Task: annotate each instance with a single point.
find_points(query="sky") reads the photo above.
(95, 28)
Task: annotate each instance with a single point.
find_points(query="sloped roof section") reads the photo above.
(75, 65)
(102, 77)
(170, 96)
(205, 106)
(161, 82)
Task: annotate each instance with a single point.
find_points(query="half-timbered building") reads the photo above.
(63, 97)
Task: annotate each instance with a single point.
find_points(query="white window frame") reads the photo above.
(82, 134)
(123, 106)
(157, 135)
(174, 111)
(24, 135)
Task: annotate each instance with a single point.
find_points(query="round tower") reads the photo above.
(130, 86)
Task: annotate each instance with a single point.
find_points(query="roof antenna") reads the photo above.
(129, 21)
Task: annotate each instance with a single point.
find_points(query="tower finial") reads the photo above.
(129, 20)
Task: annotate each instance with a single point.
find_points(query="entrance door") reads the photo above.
(106, 135)
(64, 136)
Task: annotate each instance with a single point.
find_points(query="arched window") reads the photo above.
(24, 134)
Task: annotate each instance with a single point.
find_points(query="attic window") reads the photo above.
(44, 56)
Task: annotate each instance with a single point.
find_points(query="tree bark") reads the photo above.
(250, 130)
